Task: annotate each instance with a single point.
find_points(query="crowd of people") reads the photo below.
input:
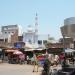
(51, 62)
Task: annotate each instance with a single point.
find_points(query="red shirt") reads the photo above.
(61, 57)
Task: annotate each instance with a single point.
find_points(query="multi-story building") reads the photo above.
(9, 34)
(68, 30)
(11, 30)
(4, 39)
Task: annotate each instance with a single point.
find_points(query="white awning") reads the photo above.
(29, 49)
(31, 46)
(69, 50)
(33, 49)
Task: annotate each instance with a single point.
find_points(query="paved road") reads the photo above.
(13, 69)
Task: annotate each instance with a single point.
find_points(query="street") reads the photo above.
(16, 69)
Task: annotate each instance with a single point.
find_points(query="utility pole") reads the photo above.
(64, 62)
(36, 28)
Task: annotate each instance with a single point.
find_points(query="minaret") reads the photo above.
(36, 29)
(36, 23)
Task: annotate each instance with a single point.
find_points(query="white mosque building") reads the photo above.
(31, 36)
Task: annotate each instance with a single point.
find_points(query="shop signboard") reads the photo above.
(41, 59)
(18, 45)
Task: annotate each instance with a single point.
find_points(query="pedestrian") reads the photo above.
(56, 59)
(61, 58)
(46, 67)
(27, 59)
(35, 64)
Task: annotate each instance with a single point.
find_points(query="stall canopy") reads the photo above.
(68, 50)
(9, 50)
(32, 47)
(29, 49)
(17, 52)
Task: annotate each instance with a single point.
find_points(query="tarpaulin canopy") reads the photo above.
(9, 50)
(31, 46)
(68, 50)
(17, 52)
(34, 49)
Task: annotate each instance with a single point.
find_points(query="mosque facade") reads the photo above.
(30, 36)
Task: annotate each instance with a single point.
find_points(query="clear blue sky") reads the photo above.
(51, 14)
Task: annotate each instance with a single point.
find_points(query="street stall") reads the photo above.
(17, 52)
(34, 53)
(55, 51)
(12, 55)
(8, 54)
(70, 57)
(68, 69)
(18, 57)
(30, 49)
(39, 59)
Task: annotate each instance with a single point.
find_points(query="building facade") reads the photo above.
(33, 38)
(9, 34)
(68, 29)
(42, 39)
(30, 36)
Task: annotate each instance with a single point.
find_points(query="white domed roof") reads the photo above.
(30, 28)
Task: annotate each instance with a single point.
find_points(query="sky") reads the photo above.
(51, 14)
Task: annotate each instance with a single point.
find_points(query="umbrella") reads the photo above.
(17, 52)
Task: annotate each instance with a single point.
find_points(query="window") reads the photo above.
(44, 41)
(5, 32)
(6, 40)
(5, 28)
(30, 41)
(39, 42)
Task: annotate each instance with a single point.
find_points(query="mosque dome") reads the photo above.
(30, 28)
